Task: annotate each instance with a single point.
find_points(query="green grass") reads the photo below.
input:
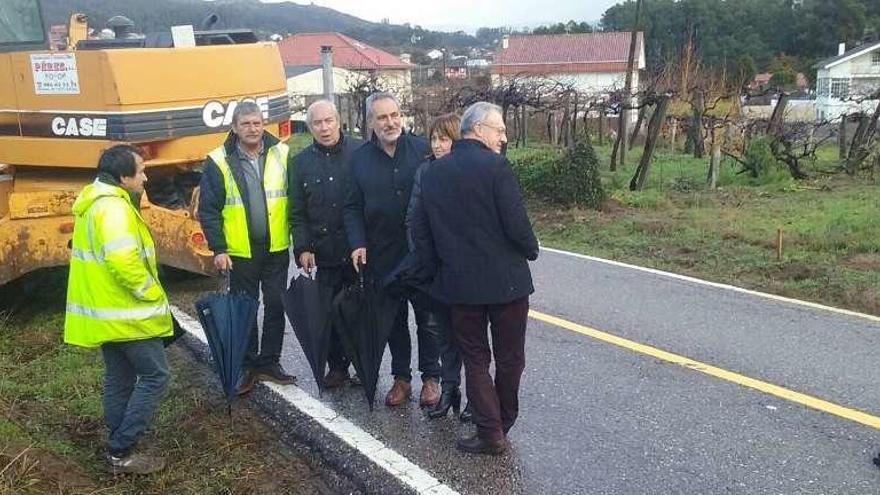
(831, 231)
(298, 141)
(50, 411)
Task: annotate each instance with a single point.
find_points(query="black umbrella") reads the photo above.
(227, 319)
(366, 316)
(309, 305)
(411, 275)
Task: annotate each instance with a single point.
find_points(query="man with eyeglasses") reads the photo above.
(473, 228)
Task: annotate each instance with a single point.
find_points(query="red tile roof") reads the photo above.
(566, 53)
(348, 53)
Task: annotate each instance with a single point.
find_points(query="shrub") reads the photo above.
(758, 159)
(569, 178)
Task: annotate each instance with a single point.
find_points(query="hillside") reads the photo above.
(264, 18)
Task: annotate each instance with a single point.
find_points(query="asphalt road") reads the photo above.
(601, 418)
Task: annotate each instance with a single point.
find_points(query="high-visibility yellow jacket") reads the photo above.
(235, 226)
(113, 291)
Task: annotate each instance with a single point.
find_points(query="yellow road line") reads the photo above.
(781, 392)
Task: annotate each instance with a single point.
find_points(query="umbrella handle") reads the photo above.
(228, 286)
(360, 272)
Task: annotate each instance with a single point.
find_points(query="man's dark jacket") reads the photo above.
(212, 192)
(318, 183)
(375, 210)
(473, 227)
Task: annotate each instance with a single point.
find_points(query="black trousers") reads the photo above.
(401, 347)
(336, 277)
(267, 273)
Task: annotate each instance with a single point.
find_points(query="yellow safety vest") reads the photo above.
(113, 290)
(235, 227)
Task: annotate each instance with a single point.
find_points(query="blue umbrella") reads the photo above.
(227, 319)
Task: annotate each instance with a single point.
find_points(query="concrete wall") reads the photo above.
(796, 111)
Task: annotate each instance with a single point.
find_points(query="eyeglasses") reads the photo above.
(499, 130)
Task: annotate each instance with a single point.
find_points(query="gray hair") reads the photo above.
(245, 108)
(311, 110)
(377, 96)
(476, 113)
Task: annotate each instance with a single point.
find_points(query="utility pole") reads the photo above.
(622, 123)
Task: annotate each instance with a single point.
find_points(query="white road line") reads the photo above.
(388, 459)
(733, 288)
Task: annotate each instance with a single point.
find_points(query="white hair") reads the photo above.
(476, 113)
(313, 107)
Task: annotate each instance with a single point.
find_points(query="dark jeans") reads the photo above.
(266, 271)
(135, 378)
(401, 348)
(336, 277)
(496, 404)
(439, 328)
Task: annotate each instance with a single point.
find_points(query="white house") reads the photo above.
(594, 63)
(844, 82)
(434, 54)
(352, 61)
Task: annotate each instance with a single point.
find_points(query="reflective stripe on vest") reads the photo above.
(113, 290)
(235, 228)
(119, 314)
(87, 255)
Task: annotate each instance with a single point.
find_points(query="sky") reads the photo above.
(468, 15)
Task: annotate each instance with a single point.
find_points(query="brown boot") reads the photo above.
(246, 383)
(399, 393)
(430, 395)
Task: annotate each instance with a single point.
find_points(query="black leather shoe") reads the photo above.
(477, 445)
(336, 379)
(275, 373)
(355, 380)
(450, 398)
(467, 415)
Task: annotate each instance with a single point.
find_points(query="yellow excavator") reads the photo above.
(171, 94)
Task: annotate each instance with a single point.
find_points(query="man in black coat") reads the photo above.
(375, 221)
(473, 227)
(318, 184)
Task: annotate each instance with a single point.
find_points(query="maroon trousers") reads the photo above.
(495, 404)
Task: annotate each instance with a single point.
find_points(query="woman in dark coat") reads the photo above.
(443, 131)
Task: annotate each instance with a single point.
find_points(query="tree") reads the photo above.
(637, 183)
(784, 72)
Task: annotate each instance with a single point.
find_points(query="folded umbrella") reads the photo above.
(366, 316)
(308, 306)
(227, 319)
(411, 275)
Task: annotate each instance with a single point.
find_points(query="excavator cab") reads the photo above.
(60, 108)
(21, 26)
